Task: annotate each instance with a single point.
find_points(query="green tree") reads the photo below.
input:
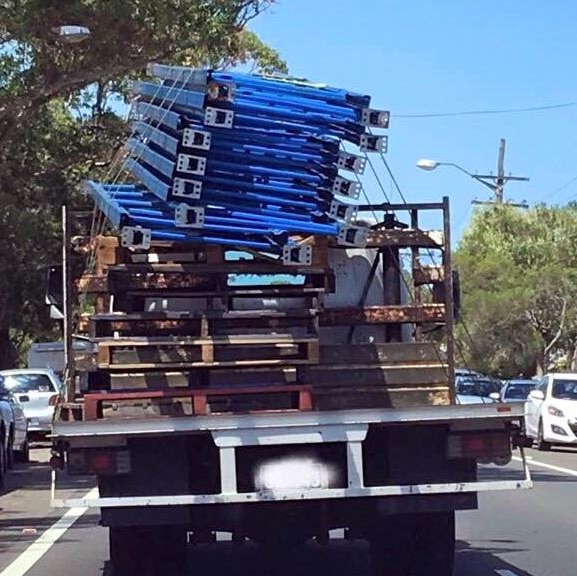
(518, 272)
(57, 124)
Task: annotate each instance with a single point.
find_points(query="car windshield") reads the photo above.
(477, 386)
(565, 389)
(29, 383)
(518, 390)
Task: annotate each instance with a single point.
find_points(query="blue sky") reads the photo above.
(420, 56)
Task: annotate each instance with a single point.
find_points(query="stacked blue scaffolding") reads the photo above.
(241, 160)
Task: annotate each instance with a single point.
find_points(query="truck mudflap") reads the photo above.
(230, 432)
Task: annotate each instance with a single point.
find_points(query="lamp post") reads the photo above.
(495, 183)
(68, 35)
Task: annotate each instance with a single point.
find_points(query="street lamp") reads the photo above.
(430, 165)
(494, 183)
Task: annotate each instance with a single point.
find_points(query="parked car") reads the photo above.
(551, 411)
(477, 389)
(38, 391)
(467, 372)
(516, 390)
(13, 431)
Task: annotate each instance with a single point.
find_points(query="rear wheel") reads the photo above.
(541, 443)
(414, 545)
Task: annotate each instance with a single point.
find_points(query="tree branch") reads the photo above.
(561, 326)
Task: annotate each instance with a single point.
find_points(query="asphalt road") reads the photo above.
(523, 533)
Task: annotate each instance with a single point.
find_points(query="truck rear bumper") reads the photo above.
(298, 495)
(236, 432)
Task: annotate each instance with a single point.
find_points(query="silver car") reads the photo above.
(38, 391)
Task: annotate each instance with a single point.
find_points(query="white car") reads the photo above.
(13, 431)
(551, 411)
(38, 391)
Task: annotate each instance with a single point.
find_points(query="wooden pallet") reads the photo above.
(133, 354)
(194, 402)
(203, 323)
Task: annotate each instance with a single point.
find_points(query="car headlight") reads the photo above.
(555, 412)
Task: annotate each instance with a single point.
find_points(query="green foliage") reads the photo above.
(57, 125)
(518, 278)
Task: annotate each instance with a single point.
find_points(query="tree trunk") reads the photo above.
(573, 359)
(540, 365)
(7, 352)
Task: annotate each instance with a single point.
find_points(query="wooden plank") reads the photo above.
(406, 238)
(340, 399)
(205, 356)
(106, 248)
(428, 275)
(236, 364)
(354, 316)
(213, 378)
(380, 376)
(403, 353)
(146, 381)
(263, 339)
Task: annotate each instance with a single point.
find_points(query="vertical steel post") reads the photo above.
(67, 295)
(449, 316)
(392, 281)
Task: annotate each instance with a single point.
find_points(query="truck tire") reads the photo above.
(148, 551)
(414, 545)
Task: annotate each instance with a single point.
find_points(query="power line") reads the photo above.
(561, 188)
(486, 112)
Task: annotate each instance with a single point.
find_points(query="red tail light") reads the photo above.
(108, 462)
(54, 400)
(480, 445)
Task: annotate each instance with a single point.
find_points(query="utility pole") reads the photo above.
(497, 183)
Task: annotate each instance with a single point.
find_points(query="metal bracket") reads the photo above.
(351, 162)
(375, 118)
(197, 139)
(182, 188)
(297, 255)
(221, 91)
(346, 187)
(195, 165)
(188, 216)
(136, 237)
(344, 212)
(371, 143)
(355, 236)
(218, 117)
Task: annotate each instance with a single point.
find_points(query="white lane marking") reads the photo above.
(505, 573)
(45, 541)
(568, 471)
